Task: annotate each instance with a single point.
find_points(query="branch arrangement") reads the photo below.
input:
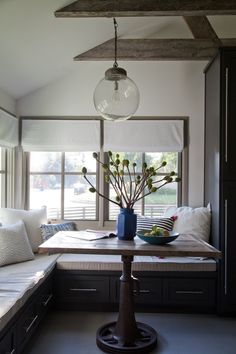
(137, 186)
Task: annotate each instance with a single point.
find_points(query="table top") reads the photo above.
(184, 245)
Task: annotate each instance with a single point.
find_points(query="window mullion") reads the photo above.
(142, 200)
(62, 184)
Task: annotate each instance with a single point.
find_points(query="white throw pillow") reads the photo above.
(32, 220)
(191, 221)
(14, 244)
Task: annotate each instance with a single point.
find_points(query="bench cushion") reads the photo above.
(141, 263)
(19, 281)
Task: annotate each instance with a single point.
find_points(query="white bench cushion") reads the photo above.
(140, 263)
(19, 281)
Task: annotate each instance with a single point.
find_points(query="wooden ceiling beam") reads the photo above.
(155, 49)
(201, 28)
(131, 8)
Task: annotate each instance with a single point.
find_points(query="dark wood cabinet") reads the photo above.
(187, 291)
(220, 167)
(8, 343)
(17, 333)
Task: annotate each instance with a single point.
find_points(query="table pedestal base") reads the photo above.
(126, 335)
(144, 343)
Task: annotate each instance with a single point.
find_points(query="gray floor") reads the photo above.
(74, 333)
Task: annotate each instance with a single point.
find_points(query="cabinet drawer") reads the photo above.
(84, 289)
(7, 344)
(194, 292)
(44, 299)
(150, 292)
(27, 323)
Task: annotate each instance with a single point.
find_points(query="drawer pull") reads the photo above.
(27, 329)
(45, 303)
(143, 291)
(199, 292)
(89, 290)
(12, 352)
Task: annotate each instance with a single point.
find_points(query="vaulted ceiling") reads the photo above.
(36, 47)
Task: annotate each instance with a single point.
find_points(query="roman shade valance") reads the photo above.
(60, 135)
(8, 130)
(144, 136)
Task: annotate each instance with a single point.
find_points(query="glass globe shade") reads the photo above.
(116, 96)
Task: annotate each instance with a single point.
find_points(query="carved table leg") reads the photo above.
(126, 335)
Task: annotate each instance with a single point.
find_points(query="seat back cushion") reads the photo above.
(191, 221)
(48, 230)
(32, 220)
(14, 244)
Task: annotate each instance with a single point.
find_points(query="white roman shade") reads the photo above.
(60, 135)
(8, 130)
(144, 136)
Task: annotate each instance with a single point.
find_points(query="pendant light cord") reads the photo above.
(115, 65)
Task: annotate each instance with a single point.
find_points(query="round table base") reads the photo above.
(144, 344)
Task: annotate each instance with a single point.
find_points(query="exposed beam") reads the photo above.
(130, 8)
(155, 49)
(201, 28)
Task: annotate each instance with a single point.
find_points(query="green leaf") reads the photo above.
(84, 170)
(92, 190)
(95, 155)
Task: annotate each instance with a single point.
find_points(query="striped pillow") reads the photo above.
(146, 223)
(48, 230)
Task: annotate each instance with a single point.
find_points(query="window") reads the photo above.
(2, 177)
(56, 181)
(156, 203)
(55, 177)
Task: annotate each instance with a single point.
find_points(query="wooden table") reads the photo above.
(126, 335)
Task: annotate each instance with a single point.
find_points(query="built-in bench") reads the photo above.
(79, 281)
(91, 282)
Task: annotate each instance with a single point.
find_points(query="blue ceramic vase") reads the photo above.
(126, 224)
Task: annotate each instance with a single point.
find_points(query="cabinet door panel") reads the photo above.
(229, 118)
(229, 244)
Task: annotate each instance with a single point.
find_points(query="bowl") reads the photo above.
(157, 240)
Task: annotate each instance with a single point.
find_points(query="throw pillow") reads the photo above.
(48, 230)
(191, 221)
(32, 220)
(146, 223)
(14, 244)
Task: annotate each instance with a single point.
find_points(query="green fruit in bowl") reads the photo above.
(157, 231)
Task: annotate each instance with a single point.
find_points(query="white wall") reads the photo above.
(7, 102)
(166, 89)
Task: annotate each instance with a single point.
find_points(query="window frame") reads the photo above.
(3, 173)
(62, 173)
(179, 185)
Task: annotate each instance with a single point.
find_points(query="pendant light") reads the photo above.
(116, 96)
